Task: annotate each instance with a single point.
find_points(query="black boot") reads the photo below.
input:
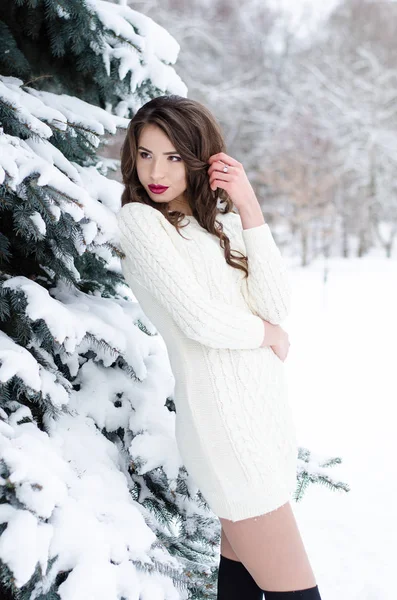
(235, 582)
(308, 594)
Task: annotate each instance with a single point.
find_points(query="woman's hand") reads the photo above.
(281, 349)
(276, 338)
(234, 181)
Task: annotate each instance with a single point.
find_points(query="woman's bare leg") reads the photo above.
(226, 549)
(234, 579)
(271, 548)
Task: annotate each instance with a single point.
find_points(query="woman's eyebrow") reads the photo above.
(143, 148)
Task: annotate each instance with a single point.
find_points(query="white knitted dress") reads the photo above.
(234, 425)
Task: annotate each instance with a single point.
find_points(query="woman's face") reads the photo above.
(158, 163)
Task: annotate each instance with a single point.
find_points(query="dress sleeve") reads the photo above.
(267, 288)
(155, 264)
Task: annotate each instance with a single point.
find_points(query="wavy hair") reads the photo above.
(196, 136)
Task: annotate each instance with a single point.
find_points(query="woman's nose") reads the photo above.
(157, 170)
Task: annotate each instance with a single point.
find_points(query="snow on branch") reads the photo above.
(141, 46)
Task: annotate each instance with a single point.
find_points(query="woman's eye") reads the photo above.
(172, 156)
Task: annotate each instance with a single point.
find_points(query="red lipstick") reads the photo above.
(157, 189)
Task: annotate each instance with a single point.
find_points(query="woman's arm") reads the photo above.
(156, 265)
(267, 289)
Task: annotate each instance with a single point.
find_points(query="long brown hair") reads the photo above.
(196, 136)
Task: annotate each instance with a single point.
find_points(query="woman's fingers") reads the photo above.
(225, 158)
(234, 181)
(217, 164)
(216, 175)
(220, 176)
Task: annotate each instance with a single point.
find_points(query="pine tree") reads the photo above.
(94, 499)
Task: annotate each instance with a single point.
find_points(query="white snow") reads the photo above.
(29, 110)
(341, 371)
(35, 108)
(71, 475)
(141, 47)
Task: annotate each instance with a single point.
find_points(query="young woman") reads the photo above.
(217, 292)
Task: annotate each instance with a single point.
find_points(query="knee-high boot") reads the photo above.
(235, 582)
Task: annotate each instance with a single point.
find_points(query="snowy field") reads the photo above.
(341, 370)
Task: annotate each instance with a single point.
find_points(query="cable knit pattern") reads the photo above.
(267, 289)
(234, 424)
(160, 269)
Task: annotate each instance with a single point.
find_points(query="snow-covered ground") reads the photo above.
(341, 371)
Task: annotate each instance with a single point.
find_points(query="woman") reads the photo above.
(234, 425)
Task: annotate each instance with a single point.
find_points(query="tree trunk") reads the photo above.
(304, 243)
(345, 244)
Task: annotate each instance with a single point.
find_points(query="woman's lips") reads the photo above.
(157, 189)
